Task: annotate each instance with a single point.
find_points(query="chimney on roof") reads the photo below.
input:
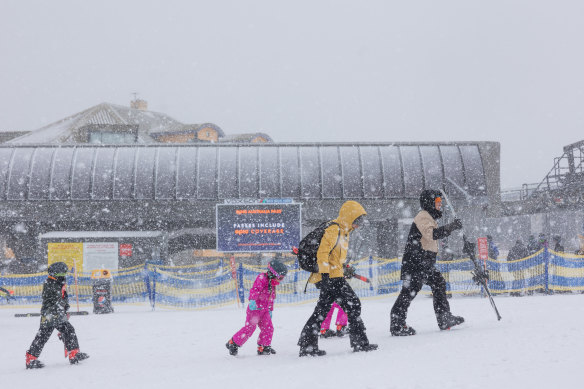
(137, 103)
(142, 105)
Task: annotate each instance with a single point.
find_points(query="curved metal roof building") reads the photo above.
(175, 187)
(217, 172)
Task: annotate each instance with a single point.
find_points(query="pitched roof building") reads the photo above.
(108, 123)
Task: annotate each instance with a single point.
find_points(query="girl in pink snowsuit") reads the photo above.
(259, 311)
(341, 322)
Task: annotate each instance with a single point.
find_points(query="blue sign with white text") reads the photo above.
(258, 227)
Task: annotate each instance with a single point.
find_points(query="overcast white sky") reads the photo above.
(500, 70)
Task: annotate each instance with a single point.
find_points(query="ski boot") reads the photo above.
(75, 356)
(448, 320)
(232, 347)
(33, 362)
(312, 351)
(365, 347)
(327, 333)
(342, 331)
(265, 350)
(401, 330)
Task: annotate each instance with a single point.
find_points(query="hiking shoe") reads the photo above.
(311, 351)
(232, 347)
(365, 347)
(402, 330)
(32, 362)
(75, 356)
(265, 350)
(448, 321)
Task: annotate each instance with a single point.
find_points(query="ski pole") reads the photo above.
(361, 278)
(469, 249)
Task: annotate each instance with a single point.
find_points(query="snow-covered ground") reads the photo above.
(539, 343)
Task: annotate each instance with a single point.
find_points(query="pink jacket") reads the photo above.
(260, 292)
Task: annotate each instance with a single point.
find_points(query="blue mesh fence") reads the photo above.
(211, 284)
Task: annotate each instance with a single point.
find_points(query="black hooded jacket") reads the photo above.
(422, 244)
(55, 299)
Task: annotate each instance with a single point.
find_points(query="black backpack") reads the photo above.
(308, 247)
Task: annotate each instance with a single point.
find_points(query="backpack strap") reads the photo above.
(330, 223)
(338, 236)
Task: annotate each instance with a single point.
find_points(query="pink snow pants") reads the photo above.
(341, 317)
(260, 318)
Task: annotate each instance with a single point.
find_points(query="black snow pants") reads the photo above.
(412, 284)
(45, 331)
(331, 290)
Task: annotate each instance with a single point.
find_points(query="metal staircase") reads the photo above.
(563, 186)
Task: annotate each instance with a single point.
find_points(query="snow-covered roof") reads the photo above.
(64, 130)
(232, 171)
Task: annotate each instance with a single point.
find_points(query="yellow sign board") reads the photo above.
(70, 253)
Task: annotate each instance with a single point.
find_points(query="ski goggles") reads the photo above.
(60, 275)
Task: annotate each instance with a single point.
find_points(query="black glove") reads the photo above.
(456, 225)
(349, 271)
(446, 230)
(468, 248)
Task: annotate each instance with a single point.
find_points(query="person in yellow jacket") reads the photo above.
(331, 256)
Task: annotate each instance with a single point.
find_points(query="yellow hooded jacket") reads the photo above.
(332, 263)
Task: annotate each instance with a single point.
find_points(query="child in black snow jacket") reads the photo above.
(54, 316)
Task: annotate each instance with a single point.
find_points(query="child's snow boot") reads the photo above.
(33, 362)
(342, 331)
(75, 356)
(327, 333)
(232, 347)
(265, 350)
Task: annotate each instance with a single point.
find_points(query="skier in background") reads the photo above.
(493, 249)
(259, 310)
(54, 316)
(532, 245)
(558, 244)
(418, 266)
